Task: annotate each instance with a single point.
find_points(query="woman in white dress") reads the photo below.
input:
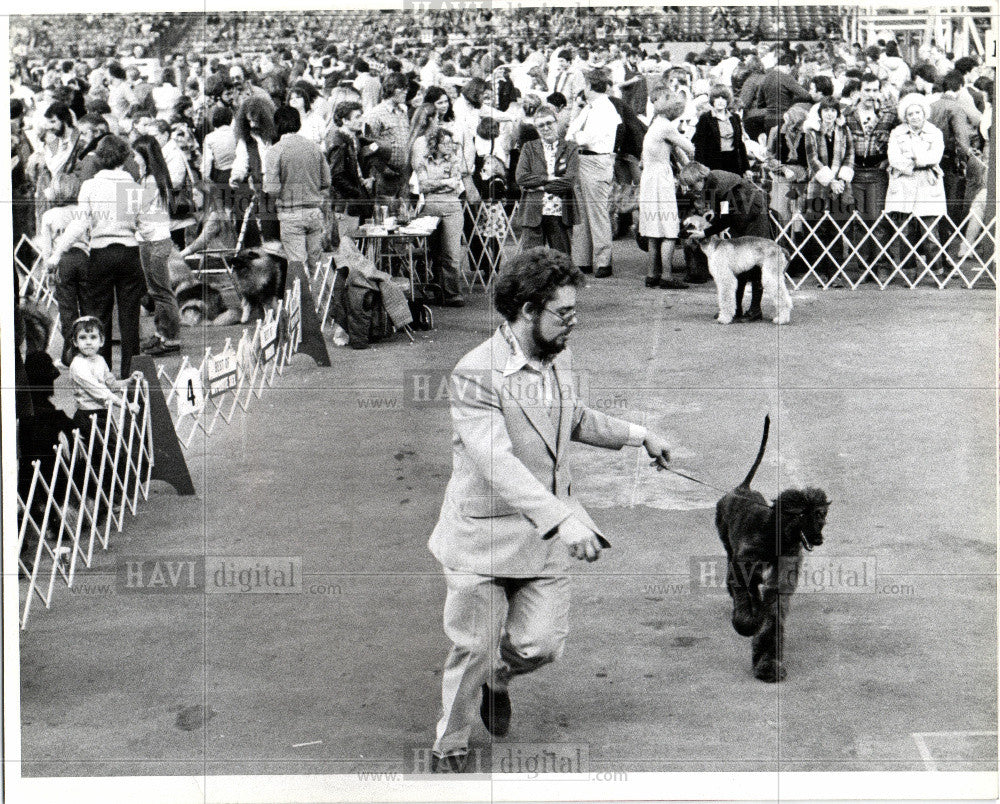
(658, 218)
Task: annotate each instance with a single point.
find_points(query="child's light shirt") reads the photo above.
(93, 382)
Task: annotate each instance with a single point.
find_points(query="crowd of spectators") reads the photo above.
(88, 35)
(573, 132)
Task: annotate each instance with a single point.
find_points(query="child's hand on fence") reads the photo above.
(137, 376)
(133, 408)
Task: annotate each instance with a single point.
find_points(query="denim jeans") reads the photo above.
(167, 317)
(448, 240)
(302, 236)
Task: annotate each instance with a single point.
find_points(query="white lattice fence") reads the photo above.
(95, 478)
(323, 280)
(909, 249)
(227, 381)
(36, 283)
(492, 240)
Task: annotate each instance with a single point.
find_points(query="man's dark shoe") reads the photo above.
(585, 269)
(603, 272)
(453, 763)
(495, 711)
(161, 346)
(697, 279)
(672, 284)
(753, 315)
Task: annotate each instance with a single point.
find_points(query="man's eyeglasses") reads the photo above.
(545, 123)
(568, 317)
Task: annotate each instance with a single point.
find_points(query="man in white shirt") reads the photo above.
(616, 69)
(367, 85)
(594, 130)
(219, 147)
(121, 97)
(176, 161)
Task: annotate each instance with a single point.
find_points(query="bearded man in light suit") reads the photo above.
(509, 523)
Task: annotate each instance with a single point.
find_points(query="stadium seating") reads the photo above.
(102, 34)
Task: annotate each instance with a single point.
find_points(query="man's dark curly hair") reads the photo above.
(533, 276)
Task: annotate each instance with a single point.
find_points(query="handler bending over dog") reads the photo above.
(736, 204)
(509, 523)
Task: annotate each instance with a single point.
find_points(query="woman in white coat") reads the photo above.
(916, 183)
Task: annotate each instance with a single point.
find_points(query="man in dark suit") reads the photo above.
(731, 202)
(736, 203)
(546, 173)
(509, 523)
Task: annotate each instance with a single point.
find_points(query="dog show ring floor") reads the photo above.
(885, 400)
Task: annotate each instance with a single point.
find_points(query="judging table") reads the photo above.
(401, 250)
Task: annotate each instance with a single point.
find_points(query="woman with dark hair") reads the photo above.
(155, 245)
(435, 110)
(255, 132)
(830, 162)
(115, 270)
(473, 104)
(718, 136)
(301, 97)
(166, 95)
(218, 153)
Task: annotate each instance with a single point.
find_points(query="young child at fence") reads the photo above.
(94, 386)
(70, 269)
(96, 392)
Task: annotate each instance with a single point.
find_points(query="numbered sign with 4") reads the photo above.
(189, 391)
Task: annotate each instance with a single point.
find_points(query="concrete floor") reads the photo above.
(884, 399)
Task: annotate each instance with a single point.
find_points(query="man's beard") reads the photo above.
(545, 349)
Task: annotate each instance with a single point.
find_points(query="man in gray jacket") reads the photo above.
(509, 522)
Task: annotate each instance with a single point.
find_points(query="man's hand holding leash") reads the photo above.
(658, 450)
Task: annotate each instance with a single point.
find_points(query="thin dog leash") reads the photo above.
(663, 467)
